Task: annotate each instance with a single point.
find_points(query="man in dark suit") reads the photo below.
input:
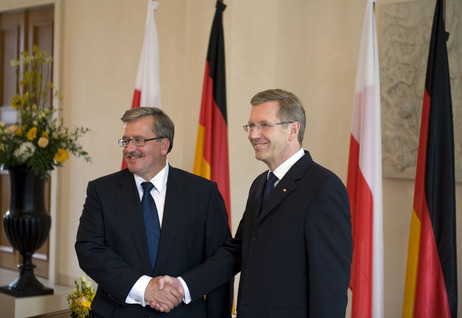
(112, 245)
(293, 247)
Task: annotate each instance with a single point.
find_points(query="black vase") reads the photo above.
(27, 225)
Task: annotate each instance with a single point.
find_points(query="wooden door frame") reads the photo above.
(11, 5)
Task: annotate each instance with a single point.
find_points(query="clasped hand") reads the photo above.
(164, 293)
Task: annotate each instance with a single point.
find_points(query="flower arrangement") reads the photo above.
(80, 299)
(39, 141)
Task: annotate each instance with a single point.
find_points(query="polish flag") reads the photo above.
(364, 182)
(147, 86)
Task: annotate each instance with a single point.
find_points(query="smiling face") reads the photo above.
(272, 144)
(145, 161)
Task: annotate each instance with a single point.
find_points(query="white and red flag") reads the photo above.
(147, 86)
(364, 182)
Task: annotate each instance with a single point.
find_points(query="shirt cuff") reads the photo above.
(136, 294)
(187, 294)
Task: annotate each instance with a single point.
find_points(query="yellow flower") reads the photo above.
(87, 304)
(42, 142)
(32, 133)
(38, 130)
(16, 102)
(61, 155)
(80, 299)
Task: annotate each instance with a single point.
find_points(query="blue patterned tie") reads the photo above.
(270, 184)
(151, 221)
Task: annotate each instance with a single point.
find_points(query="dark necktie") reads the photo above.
(270, 184)
(151, 221)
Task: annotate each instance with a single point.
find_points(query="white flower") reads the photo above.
(24, 152)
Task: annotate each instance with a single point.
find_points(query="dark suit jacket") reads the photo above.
(111, 243)
(294, 253)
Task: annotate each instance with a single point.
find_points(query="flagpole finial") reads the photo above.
(154, 4)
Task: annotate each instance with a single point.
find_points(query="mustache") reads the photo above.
(133, 154)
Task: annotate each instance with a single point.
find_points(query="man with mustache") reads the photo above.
(187, 220)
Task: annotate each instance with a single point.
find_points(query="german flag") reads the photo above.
(211, 159)
(431, 278)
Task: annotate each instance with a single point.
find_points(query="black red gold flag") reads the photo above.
(212, 160)
(431, 278)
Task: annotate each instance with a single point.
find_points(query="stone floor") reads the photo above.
(22, 307)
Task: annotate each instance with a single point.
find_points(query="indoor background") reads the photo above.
(308, 47)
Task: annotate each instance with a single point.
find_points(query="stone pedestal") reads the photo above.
(20, 307)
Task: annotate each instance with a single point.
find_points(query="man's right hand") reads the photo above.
(163, 295)
(175, 282)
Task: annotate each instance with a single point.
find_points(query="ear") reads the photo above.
(294, 129)
(164, 145)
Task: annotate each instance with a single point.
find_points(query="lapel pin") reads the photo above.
(284, 190)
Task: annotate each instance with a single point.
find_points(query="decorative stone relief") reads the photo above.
(404, 30)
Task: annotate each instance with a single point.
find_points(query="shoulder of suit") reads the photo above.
(321, 174)
(113, 177)
(186, 176)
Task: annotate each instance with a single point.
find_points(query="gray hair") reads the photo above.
(163, 125)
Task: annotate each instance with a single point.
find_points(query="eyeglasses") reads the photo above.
(263, 126)
(138, 142)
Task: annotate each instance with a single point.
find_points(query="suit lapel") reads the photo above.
(287, 184)
(130, 208)
(174, 208)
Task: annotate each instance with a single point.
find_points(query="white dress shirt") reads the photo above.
(136, 295)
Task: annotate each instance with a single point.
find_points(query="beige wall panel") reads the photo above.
(309, 47)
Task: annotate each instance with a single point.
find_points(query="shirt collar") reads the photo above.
(159, 181)
(281, 171)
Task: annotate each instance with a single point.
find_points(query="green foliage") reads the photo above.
(80, 299)
(39, 141)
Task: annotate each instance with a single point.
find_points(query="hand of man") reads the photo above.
(175, 282)
(163, 299)
(167, 282)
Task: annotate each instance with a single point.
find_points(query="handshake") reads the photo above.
(164, 293)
